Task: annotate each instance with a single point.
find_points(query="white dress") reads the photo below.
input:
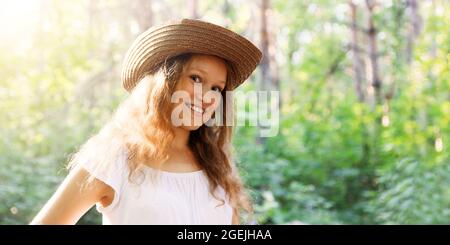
(159, 197)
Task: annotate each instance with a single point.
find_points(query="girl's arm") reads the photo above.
(69, 203)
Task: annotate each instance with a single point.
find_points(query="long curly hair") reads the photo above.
(141, 124)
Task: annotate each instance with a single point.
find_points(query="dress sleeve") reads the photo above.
(113, 174)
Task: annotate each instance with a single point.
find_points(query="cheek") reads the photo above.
(213, 107)
(187, 95)
(217, 101)
(187, 86)
(216, 104)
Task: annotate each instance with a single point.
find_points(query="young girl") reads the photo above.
(165, 159)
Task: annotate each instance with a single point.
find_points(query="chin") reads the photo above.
(190, 128)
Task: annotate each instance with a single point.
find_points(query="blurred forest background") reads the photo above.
(365, 101)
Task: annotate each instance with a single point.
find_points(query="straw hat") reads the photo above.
(154, 46)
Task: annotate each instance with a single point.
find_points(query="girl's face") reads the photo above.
(200, 85)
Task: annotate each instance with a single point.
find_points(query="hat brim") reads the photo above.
(154, 46)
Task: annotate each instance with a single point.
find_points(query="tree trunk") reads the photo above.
(359, 72)
(269, 75)
(373, 53)
(415, 28)
(264, 35)
(193, 4)
(226, 10)
(143, 11)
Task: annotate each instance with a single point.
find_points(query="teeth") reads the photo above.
(196, 108)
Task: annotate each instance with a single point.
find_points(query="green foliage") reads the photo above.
(413, 192)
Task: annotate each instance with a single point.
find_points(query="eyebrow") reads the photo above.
(204, 72)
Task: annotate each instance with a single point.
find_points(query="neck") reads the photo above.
(181, 138)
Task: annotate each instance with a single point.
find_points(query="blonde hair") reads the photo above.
(141, 125)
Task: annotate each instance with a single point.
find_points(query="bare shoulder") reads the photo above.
(81, 177)
(102, 191)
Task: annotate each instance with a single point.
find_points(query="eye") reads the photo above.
(217, 89)
(195, 78)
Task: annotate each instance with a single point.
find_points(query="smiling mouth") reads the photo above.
(195, 108)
